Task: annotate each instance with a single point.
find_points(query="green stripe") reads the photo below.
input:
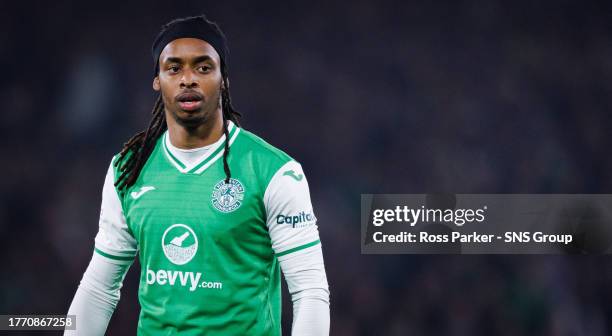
(172, 156)
(110, 256)
(217, 151)
(298, 248)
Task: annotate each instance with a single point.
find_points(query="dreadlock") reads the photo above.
(229, 113)
(138, 148)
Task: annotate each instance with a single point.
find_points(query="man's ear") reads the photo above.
(225, 84)
(156, 85)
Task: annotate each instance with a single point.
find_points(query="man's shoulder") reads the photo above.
(122, 157)
(262, 157)
(261, 148)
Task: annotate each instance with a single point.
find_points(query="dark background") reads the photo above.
(371, 97)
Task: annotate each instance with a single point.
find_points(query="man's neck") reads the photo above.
(200, 136)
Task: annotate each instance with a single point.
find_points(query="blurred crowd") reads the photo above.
(371, 97)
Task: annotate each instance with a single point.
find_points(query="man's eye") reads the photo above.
(173, 69)
(204, 68)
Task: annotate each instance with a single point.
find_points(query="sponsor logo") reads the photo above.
(227, 197)
(142, 191)
(179, 244)
(192, 280)
(291, 174)
(302, 219)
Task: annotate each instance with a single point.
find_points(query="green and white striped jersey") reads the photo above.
(210, 251)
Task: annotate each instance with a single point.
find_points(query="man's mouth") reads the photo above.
(190, 105)
(189, 101)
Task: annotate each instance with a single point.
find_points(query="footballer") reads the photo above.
(212, 211)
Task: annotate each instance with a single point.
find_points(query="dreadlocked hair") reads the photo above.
(137, 149)
(229, 113)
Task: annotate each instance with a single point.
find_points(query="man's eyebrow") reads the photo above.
(202, 58)
(173, 60)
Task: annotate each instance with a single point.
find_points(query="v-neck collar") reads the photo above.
(212, 154)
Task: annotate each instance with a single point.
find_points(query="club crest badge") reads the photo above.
(227, 197)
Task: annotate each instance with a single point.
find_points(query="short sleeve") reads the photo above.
(291, 221)
(114, 239)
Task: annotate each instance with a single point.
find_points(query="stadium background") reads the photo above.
(371, 97)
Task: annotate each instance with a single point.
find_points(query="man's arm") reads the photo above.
(295, 240)
(307, 283)
(115, 248)
(97, 296)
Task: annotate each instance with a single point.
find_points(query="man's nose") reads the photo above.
(188, 79)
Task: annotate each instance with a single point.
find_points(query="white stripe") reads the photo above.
(188, 167)
(170, 158)
(199, 171)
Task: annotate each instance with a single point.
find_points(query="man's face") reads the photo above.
(190, 81)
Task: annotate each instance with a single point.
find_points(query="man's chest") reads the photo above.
(189, 208)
